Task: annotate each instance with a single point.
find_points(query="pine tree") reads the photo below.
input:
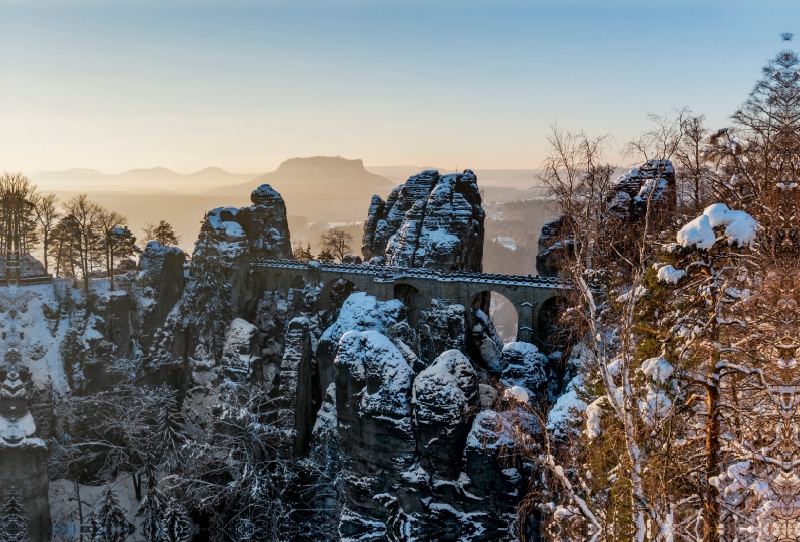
(14, 524)
(171, 431)
(210, 291)
(152, 508)
(176, 524)
(108, 524)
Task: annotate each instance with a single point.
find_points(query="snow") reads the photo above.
(567, 408)
(326, 416)
(236, 350)
(371, 356)
(441, 392)
(658, 369)
(654, 407)
(233, 231)
(741, 228)
(518, 393)
(362, 312)
(266, 190)
(670, 275)
(30, 333)
(697, 233)
(594, 414)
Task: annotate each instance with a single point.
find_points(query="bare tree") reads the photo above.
(47, 214)
(87, 221)
(337, 242)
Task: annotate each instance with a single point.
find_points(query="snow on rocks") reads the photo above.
(360, 312)
(433, 221)
(669, 274)
(525, 367)
(239, 348)
(516, 393)
(378, 375)
(741, 228)
(373, 406)
(486, 343)
(442, 395)
(567, 410)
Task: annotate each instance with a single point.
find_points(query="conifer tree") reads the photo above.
(171, 433)
(14, 523)
(152, 509)
(108, 524)
(176, 524)
(209, 296)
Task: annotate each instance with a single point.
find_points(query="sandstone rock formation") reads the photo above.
(525, 366)
(373, 405)
(433, 221)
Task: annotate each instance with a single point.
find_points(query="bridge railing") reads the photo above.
(399, 272)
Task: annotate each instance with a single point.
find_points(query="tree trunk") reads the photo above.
(711, 505)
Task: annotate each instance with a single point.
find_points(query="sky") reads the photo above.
(243, 85)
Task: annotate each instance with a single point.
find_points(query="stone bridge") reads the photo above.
(534, 298)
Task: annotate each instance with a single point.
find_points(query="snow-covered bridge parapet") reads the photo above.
(532, 297)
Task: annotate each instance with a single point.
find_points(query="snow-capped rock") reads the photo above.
(433, 221)
(360, 312)
(443, 394)
(373, 406)
(524, 366)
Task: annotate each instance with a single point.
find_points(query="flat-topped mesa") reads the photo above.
(432, 221)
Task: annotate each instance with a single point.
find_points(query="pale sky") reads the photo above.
(243, 85)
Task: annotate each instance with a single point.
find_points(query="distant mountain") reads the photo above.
(512, 178)
(138, 180)
(322, 188)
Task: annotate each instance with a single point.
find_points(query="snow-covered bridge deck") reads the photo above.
(532, 297)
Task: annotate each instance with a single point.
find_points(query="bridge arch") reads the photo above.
(546, 330)
(335, 292)
(503, 313)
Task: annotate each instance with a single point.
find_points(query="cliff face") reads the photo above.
(431, 221)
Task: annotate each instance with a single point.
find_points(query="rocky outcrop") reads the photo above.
(629, 195)
(428, 479)
(159, 286)
(260, 230)
(373, 406)
(555, 246)
(627, 200)
(361, 312)
(297, 391)
(526, 367)
(494, 484)
(432, 221)
(240, 351)
(441, 327)
(485, 345)
(443, 395)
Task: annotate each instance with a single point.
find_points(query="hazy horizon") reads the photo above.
(244, 85)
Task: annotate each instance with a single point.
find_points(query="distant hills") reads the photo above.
(316, 189)
(153, 180)
(321, 188)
